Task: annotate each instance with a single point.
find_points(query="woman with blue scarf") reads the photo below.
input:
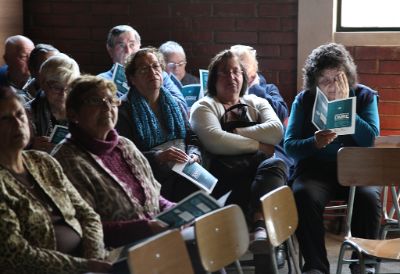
(152, 119)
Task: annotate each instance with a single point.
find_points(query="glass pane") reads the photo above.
(370, 13)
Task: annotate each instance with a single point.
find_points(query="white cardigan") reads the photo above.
(204, 119)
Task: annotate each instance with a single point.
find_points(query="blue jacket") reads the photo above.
(299, 139)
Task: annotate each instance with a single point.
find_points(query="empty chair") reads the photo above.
(379, 167)
(164, 253)
(281, 220)
(222, 237)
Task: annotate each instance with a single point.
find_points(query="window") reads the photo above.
(368, 15)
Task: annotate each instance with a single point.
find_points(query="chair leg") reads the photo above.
(238, 267)
(340, 259)
(293, 256)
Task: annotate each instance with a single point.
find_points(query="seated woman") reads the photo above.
(48, 108)
(45, 225)
(103, 165)
(241, 157)
(152, 119)
(330, 68)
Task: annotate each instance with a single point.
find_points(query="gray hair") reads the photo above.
(171, 47)
(117, 30)
(328, 56)
(59, 68)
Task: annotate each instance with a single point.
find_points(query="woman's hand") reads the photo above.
(267, 149)
(157, 226)
(194, 158)
(342, 86)
(323, 138)
(97, 266)
(42, 143)
(172, 154)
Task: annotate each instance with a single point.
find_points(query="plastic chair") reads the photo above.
(222, 238)
(281, 220)
(164, 253)
(361, 166)
(389, 222)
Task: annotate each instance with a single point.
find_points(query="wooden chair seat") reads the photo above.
(385, 249)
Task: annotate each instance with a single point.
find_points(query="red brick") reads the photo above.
(390, 122)
(367, 66)
(95, 21)
(191, 9)
(288, 24)
(184, 23)
(69, 7)
(263, 24)
(52, 20)
(389, 108)
(110, 9)
(285, 9)
(235, 10)
(207, 49)
(288, 77)
(71, 33)
(37, 7)
(386, 132)
(213, 23)
(392, 67)
(282, 64)
(267, 51)
(387, 53)
(197, 36)
(279, 38)
(237, 37)
(289, 51)
(389, 94)
(380, 81)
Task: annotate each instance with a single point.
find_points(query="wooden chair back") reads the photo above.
(222, 237)
(372, 166)
(280, 214)
(387, 141)
(164, 253)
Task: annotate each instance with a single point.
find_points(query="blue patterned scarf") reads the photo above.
(147, 125)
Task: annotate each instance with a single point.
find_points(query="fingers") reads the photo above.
(323, 138)
(174, 154)
(342, 86)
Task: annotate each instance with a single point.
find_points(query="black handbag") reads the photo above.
(236, 117)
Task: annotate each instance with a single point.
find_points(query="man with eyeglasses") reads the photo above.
(175, 58)
(122, 41)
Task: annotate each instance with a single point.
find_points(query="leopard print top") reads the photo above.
(27, 237)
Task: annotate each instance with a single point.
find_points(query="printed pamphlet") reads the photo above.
(337, 115)
(197, 174)
(188, 209)
(58, 134)
(119, 78)
(203, 81)
(191, 93)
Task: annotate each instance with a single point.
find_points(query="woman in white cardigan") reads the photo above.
(240, 141)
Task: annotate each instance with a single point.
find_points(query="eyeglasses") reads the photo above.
(228, 73)
(57, 87)
(173, 65)
(146, 69)
(97, 101)
(123, 45)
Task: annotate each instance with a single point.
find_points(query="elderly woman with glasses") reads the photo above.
(108, 170)
(240, 132)
(48, 108)
(153, 120)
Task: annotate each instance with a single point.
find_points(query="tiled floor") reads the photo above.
(333, 245)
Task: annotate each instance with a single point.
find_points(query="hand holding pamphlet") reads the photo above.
(119, 78)
(336, 115)
(58, 134)
(197, 174)
(188, 209)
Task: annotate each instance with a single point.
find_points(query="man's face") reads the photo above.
(124, 45)
(16, 57)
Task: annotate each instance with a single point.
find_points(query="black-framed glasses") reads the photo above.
(98, 101)
(146, 69)
(228, 73)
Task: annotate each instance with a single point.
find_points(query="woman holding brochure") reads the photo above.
(331, 69)
(151, 118)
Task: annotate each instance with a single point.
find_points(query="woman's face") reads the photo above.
(56, 93)
(229, 81)
(14, 126)
(176, 64)
(97, 114)
(327, 82)
(148, 75)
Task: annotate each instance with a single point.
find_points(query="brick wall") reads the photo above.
(204, 27)
(79, 28)
(379, 68)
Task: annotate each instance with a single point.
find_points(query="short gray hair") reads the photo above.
(171, 47)
(117, 30)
